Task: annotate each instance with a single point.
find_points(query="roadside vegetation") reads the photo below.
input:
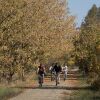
(88, 47)
(6, 93)
(88, 93)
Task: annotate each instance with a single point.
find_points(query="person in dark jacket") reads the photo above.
(57, 68)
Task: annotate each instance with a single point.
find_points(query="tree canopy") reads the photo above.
(34, 31)
(87, 46)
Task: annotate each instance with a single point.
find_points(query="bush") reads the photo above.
(96, 84)
(94, 80)
(6, 93)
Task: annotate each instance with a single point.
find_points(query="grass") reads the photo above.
(6, 93)
(85, 95)
(81, 94)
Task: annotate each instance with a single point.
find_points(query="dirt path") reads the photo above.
(49, 91)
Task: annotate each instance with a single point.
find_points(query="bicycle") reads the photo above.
(41, 78)
(57, 78)
(52, 76)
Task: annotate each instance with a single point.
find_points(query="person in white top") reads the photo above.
(65, 71)
(52, 72)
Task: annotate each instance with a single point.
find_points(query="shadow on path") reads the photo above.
(75, 79)
(57, 87)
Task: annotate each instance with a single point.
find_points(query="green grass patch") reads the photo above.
(85, 95)
(6, 93)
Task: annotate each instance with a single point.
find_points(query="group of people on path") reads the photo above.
(55, 70)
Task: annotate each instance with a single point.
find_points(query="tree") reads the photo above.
(89, 40)
(33, 31)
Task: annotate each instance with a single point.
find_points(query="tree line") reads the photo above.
(33, 32)
(88, 46)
